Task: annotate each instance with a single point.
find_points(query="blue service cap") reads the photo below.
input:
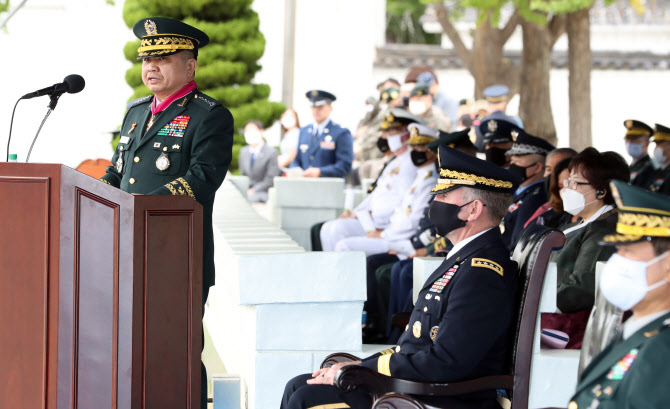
(319, 97)
(526, 144)
(496, 93)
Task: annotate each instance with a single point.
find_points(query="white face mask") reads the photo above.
(395, 142)
(252, 137)
(369, 108)
(634, 149)
(658, 157)
(624, 281)
(288, 121)
(417, 107)
(573, 201)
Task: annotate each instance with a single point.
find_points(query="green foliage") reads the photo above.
(4, 5)
(403, 25)
(226, 67)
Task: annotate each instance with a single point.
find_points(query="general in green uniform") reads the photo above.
(633, 371)
(178, 141)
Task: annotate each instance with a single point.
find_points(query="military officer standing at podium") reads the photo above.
(459, 328)
(177, 141)
(325, 149)
(633, 371)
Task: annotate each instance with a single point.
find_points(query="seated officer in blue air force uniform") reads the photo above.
(325, 149)
(459, 328)
(634, 370)
(177, 141)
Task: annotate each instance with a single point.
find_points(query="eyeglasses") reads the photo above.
(572, 184)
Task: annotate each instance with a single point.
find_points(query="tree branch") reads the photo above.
(11, 14)
(509, 28)
(463, 53)
(556, 28)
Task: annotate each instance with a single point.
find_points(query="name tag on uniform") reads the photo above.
(327, 145)
(124, 139)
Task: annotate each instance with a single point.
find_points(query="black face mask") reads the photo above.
(418, 158)
(405, 101)
(520, 170)
(496, 156)
(383, 145)
(444, 217)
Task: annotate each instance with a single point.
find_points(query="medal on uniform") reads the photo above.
(119, 163)
(416, 329)
(163, 162)
(132, 127)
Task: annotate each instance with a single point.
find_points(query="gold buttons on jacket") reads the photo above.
(120, 148)
(572, 405)
(164, 148)
(131, 181)
(137, 159)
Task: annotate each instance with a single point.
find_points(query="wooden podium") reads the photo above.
(100, 294)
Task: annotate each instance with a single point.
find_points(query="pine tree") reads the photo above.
(226, 67)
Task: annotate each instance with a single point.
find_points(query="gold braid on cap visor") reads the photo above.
(419, 140)
(642, 224)
(164, 44)
(452, 177)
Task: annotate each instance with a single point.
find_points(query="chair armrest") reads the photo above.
(338, 357)
(353, 376)
(397, 401)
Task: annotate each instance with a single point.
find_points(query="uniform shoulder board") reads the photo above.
(482, 262)
(440, 244)
(205, 101)
(429, 174)
(139, 100)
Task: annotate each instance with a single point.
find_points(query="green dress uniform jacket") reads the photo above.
(660, 181)
(186, 151)
(576, 263)
(630, 374)
(641, 171)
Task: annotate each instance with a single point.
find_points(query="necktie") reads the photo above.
(253, 159)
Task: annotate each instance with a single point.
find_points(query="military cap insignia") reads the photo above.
(416, 329)
(394, 94)
(163, 162)
(390, 118)
(515, 134)
(314, 93)
(385, 95)
(629, 123)
(413, 132)
(433, 332)
(150, 27)
(492, 125)
(482, 262)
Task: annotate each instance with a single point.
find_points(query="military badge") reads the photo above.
(163, 162)
(176, 127)
(157, 144)
(428, 296)
(439, 285)
(515, 134)
(492, 125)
(416, 329)
(132, 127)
(482, 262)
(124, 139)
(328, 138)
(617, 372)
(175, 147)
(119, 164)
(433, 332)
(150, 27)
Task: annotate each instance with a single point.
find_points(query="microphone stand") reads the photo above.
(11, 124)
(40, 128)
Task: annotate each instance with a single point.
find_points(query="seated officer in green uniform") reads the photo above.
(177, 141)
(459, 328)
(633, 371)
(637, 143)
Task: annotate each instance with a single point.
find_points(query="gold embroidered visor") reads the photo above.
(164, 45)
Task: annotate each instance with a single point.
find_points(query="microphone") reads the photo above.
(72, 84)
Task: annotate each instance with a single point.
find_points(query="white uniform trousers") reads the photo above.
(338, 229)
